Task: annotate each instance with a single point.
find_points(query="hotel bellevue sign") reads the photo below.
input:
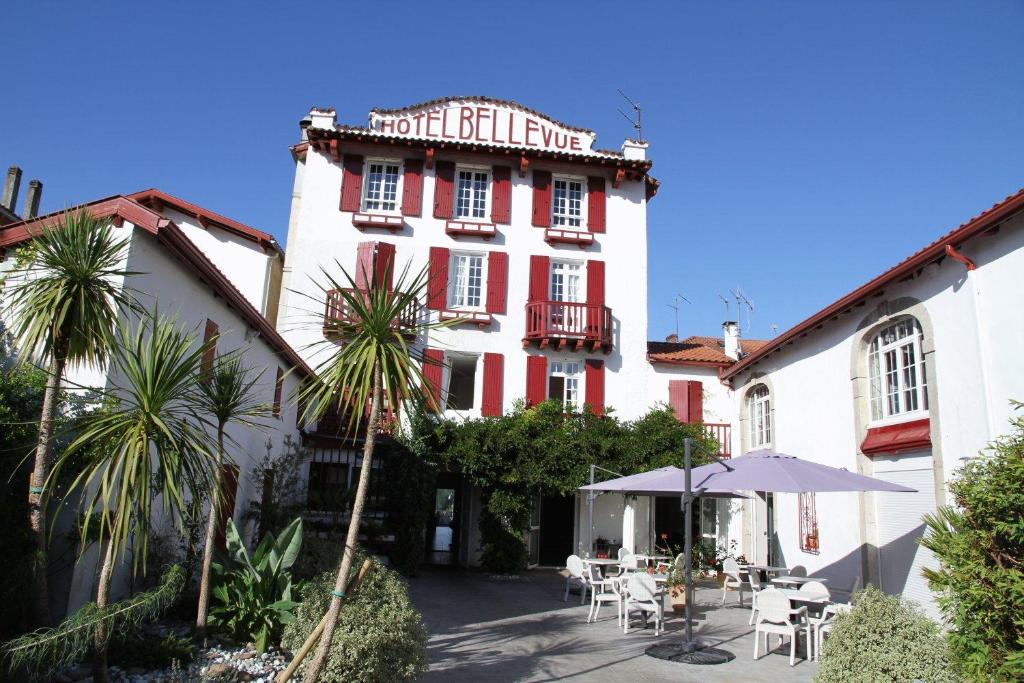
(486, 123)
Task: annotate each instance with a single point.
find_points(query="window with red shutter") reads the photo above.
(679, 398)
(494, 378)
(595, 204)
(226, 503)
(278, 390)
(433, 364)
(384, 265)
(695, 402)
(444, 188)
(351, 182)
(501, 203)
(594, 380)
(542, 199)
(437, 279)
(412, 188)
(539, 267)
(365, 252)
(210, 335)
(536, 379)
(497, 281)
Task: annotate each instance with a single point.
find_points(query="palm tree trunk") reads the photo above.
(318, 662)
(101, 637)
(211, 533)
(40, 472)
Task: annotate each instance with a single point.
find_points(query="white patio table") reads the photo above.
(796, 595)
(600, 561)
(796, 580)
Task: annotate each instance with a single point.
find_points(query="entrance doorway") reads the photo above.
(443, 535)
(764, 528)
(556, 529)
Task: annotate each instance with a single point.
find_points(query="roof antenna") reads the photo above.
(637, 123)
(775, 329)
(726, 302)
(675, 307)
(742, 300)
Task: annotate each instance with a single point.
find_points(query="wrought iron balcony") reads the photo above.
(568, 325)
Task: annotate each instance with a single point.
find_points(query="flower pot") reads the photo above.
(677, 594)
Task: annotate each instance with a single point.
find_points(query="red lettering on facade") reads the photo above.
(511, 121)
(431, 117)
(403, 126)
(545, 135)
(531, 127)
(444, 125)
(465, 117)
(494, 127)
(482, 114)
(418, 118)
(387, 126)
(561, 140)
(574, 144)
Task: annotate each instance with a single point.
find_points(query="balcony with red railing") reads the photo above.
(567, 324)
(338, 312)
(722, 433)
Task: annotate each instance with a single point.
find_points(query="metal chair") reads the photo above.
(776, 615)
(642, 595)
(576, 577)
(603, 590)
(731, 569)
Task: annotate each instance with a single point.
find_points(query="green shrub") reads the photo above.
(380, 637)
(254, 596)
(884, 638)
(980, 547)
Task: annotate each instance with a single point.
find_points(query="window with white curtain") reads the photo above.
(760, 411)
(471, 194)
(380, 186)
(466, 282)
(896, 371)
(567, 204)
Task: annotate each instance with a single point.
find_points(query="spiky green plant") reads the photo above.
(153, 450)
(64, 299)
(373, 365)
(226, 395)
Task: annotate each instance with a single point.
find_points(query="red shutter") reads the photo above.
(384, 265)
(497, 281)
(494, 375)
(536, 380)
(695, 394)
(226, 507)
(278, 390)
(595, 204)
(444, 188)
(412, 188)
(433, 363)
(364, 265)
(437, 279)
(595, 283)
(542, 199)
(210, 335)
(501, 202)
(539, 266)
(351, 182)
(594, 379)
(679, 398)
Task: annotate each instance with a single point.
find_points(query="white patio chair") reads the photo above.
(798, 570)
(642, 595)
(755, 587)
(816, 587)
(628, 563)
(664, 566)
(776, 615)
(603, 590)
(825, 624)
(622, 553)
(854, 587)
(731, 569)
(576, 577)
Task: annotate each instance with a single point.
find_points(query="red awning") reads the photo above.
(906, 436)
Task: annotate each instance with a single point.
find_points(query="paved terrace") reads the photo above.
(482, 629)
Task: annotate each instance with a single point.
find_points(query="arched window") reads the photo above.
(759, 410)
(896, 370)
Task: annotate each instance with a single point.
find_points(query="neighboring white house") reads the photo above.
(902, 379)
(187, 261)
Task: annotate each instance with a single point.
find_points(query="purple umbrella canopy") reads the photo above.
(664, 481)
(771, 471)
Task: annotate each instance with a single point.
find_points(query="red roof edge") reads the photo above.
(937, 249)
(699, 363)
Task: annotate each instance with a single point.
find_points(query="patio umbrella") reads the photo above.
(664, 481)
(781, 473)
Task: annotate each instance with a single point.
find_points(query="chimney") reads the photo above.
(11, 186)
(672, 338)
(32, 197)
(731, 339)
(322, 118)
(634, 150)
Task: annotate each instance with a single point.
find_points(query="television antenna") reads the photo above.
(741, 301)
(636, 123)
(675, 307)
(726, 302)
(775, 329)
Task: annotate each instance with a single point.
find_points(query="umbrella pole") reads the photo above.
(590, 515)
(688, 644)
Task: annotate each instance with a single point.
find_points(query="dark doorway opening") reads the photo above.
(556, 529)
(443, 534)
(668, 518)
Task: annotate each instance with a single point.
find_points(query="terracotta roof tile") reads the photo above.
(697, 350)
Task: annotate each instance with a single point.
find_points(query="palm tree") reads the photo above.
(225, 394)
(146, 446)
(64, 302)
(373, 365)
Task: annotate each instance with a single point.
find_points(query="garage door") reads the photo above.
(899, 528)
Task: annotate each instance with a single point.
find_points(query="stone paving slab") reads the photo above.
(484, 629)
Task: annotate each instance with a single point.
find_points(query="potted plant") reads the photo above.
(676, 585)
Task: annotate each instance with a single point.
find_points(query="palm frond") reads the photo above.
(67, 295)
(227, 392)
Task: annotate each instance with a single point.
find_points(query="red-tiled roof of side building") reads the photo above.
(697, 350)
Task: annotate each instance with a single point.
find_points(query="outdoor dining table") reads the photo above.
(600, 561)
(764, 569)
(796, 595)
(796, 580)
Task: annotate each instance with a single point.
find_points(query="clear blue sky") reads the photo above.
(802, 147)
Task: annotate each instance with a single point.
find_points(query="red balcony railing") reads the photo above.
(722, 433)
(338, 312)
(568, 323)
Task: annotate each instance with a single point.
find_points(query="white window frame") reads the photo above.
(453, 284)
(581, 294)
(897, 373)
(364, 195)
(555, 215)
(488, 192)
(560, 368)
(759, 412)
(478, 384)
